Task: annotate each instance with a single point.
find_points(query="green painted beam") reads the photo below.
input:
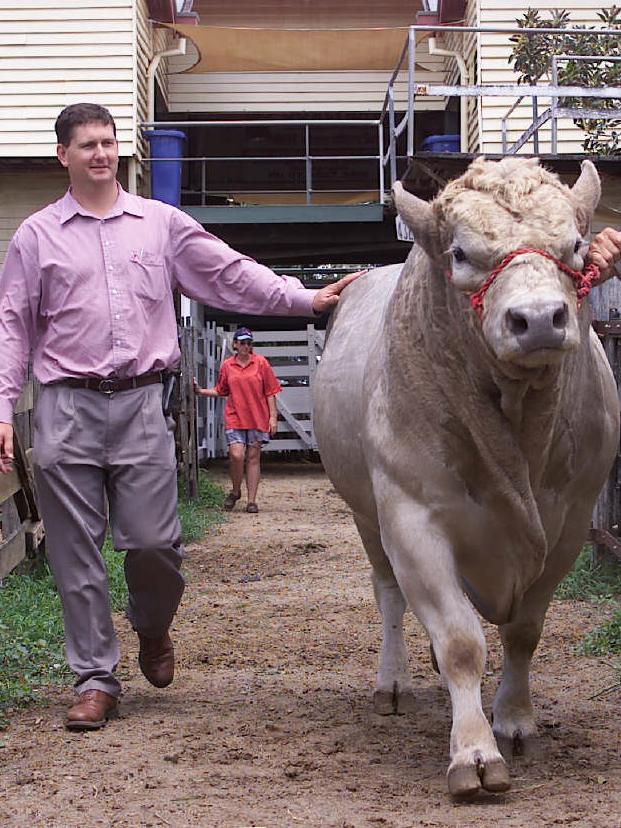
(287, 214)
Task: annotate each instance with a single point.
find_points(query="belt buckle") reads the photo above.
(107, 386)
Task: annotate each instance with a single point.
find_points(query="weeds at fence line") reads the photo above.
(592, 580)
(31, 624)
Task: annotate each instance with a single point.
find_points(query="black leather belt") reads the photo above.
(110, 385)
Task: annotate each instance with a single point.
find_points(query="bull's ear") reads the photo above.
(586, 192)
(417, 214)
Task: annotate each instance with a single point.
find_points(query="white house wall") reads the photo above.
(496, 69)
(23, 193)
(256, 92)
(466, 45)
(56, 53)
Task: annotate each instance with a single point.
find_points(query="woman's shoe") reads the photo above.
(252, 508)
(230, 500)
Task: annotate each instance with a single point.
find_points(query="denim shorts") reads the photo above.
(246, 436)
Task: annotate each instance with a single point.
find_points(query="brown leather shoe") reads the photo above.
(92, 710)
(157, 660)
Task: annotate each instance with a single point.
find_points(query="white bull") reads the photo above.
(471, 446)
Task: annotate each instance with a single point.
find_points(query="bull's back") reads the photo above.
(339, 400)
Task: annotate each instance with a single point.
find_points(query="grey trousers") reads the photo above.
(94, 457)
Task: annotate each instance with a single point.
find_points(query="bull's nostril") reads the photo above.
(559, 320)
(517, 322)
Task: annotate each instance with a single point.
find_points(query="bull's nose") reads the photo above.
(538, 327)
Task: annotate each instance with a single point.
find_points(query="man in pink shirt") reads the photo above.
(86, 290)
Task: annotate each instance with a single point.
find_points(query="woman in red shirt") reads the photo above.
(250, 386)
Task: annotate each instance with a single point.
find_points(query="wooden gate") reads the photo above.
(21, 529)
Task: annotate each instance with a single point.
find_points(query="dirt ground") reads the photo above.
(269, 721)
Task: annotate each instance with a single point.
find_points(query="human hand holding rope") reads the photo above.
(605, 251)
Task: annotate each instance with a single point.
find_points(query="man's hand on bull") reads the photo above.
(605, 252)
(6, 448)
(328, 297)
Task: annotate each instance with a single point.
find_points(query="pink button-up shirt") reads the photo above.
(93, 297)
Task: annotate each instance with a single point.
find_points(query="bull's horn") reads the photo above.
(587, 189)
(416, 213)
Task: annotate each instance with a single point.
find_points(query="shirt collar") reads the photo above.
(252, 359)
(125, 203)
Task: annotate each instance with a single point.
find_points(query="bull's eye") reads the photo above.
(578, 245)
(458, 254)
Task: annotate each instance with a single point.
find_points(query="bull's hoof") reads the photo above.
(495, 776)
(463, 781)
(393, 703)
(518, 745)
(406, 703)
(467, 780)
(383, 702)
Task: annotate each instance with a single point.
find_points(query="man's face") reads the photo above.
(92, 157)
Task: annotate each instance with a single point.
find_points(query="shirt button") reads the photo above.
(117, 315)
(114, 291)
(110, 267)
(118, 343)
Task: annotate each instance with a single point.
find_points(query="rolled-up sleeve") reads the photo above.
(222, 385)
(206, 269)
(19, 301)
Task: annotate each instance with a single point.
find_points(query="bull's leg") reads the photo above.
(513, 715)
(514, 719)
(423, 565)
(393, 688)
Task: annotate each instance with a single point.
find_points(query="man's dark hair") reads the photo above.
(78, 115)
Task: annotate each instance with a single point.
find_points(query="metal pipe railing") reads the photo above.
(397, 126)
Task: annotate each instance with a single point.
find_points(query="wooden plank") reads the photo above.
(297, 398)
(9, 485)
(287, 445)
(279, 336)
(283, 351)
(284, 411)
(299, 370)
(35, 533)
(25, 401)
(12, 551)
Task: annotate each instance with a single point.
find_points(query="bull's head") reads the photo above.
(529, 313)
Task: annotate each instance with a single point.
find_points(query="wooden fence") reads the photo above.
(21, 529)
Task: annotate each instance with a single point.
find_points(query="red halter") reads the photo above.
(583, 279)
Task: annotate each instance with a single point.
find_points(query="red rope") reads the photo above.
(583, 279)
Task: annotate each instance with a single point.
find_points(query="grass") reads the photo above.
(31, 625)
(591, 580)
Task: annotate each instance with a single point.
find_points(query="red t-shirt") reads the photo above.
(247, 389)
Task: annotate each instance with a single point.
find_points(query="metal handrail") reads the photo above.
(395, 127)
(554, 113)
(308, 159)
(388, 121)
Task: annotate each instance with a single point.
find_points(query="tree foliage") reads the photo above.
(531, 57)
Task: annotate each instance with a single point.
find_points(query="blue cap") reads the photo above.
(243, 333)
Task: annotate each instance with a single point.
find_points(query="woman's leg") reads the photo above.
(253, 471)
(237, 454)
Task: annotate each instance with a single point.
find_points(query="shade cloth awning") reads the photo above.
(295, 50)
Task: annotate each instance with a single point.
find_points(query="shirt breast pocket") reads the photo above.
(148, 275)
